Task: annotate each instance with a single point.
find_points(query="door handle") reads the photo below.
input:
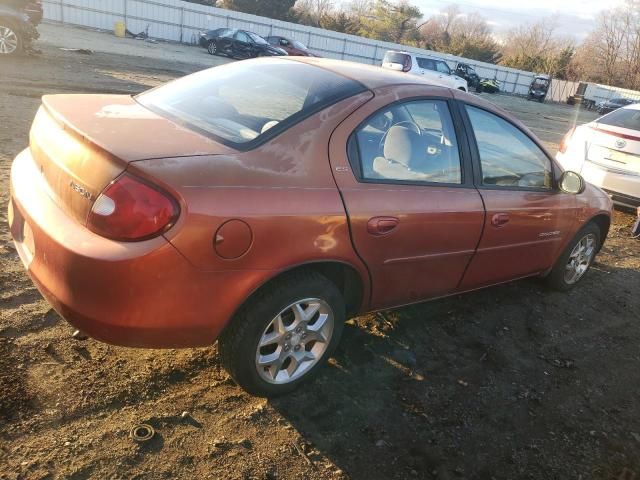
(500, 219)
(382, 225)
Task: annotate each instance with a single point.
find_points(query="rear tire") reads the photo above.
(298, 320)
(575, 261)
(212, 48)
(11, 42)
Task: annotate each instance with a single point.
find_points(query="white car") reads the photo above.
(607, 154)
(433, 68)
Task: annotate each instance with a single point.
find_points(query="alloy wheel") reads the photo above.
(580, 259)
(213, 48)
(294, 341)
(8, 41)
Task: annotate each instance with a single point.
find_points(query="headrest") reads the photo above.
(400, 145)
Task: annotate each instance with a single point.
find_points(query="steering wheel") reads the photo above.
(405, 122)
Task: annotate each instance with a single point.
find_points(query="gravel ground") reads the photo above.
(510, 382)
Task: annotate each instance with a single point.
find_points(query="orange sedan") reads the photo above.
(263, 202)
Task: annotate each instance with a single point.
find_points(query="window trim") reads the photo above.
(466, 166)
(477, 162)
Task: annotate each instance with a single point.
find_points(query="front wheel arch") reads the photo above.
(603, 222)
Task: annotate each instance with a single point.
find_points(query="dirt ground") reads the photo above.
(510, 382)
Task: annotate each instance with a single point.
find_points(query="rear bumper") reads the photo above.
(623, 189)
(143, 294)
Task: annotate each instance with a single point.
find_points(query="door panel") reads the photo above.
(416, 238)
(528, 220)
(426, 254)
(537, 227)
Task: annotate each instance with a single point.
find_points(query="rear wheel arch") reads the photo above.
(343, 275)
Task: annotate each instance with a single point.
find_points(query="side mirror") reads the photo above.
(572, 182)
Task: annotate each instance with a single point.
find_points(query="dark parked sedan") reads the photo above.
(292, 47)
(18, 21)
(243, 44)
(614, 104)
(207, 38)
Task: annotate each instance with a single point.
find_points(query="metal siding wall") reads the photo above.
(176, 20)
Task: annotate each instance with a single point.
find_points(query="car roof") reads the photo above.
(371, 76)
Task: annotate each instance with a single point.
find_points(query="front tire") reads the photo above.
(283, 335)
(212, 48)
(576, 259)
(10, 40)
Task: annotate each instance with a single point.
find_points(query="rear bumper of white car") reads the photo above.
(623, 188)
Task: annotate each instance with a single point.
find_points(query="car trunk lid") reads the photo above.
(615, 148)
(81, 143)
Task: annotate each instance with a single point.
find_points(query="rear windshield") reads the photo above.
(395, 57)
(242, 103)
(624, 118)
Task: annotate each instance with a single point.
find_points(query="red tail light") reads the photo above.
(129, 210)
(564, 144)
(407, 63)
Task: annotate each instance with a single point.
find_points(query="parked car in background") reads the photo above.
(263, 202)
(292, 47)
(18, 25)
(207, 38)
(430, 68)
(613, 104)
(539, 87)
(466, 71)
(243, 44)
(607, 153)
(488, 85)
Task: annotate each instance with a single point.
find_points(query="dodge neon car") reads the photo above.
(263, 217)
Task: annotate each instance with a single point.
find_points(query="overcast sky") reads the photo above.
(575, 17)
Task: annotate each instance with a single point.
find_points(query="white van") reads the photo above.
(433, 68)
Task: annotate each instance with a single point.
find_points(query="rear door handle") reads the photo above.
(382, 225)
(500, 219)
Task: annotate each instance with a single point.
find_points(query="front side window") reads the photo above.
(508, 157)
(410, 142)
(242, 37)
(238, 103)
(442, 67)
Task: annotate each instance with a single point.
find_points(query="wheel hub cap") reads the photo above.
(294, 341)
(580, 259)
(8, 40)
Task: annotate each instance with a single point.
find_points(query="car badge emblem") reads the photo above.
(621, 143)
(80, 189)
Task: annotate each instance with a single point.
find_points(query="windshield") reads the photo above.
(257, 38)
(540, 83)
(624, 118)
(238, 103)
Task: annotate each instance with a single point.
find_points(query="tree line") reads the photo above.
(610, 54)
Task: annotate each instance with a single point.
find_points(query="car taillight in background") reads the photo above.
(564, 144)
(130, 209)
(407, 63)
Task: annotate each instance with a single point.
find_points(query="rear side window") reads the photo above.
(426, 63)
(624, 118)
(396, 57)
(409, 142)
(508, 157)
(239, 104)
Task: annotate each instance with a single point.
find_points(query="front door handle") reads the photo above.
(500, 219)
(382, 225)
